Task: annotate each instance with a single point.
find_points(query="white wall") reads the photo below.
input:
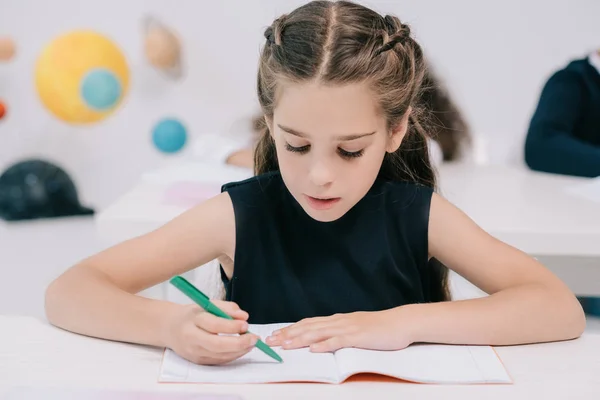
(493, 56)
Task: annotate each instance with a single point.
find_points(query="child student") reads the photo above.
(340, 233)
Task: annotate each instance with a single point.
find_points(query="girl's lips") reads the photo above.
(320, 203)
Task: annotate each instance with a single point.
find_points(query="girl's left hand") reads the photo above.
(379, 330)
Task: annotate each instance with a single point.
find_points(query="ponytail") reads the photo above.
(265, 155)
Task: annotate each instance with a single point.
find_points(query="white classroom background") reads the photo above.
(493, 56)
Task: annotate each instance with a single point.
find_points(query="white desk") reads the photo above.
(143, 208)
(529, 210)
(36, 354)
(534, 212)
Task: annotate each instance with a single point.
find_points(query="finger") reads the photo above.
(313, 336)
(231, 309)
(228, 357)
(213, 324)
(229, 344)
(204, 358)
(300, 326)
(308, 332)
(286, 336)
(299, 330)
(277, 338)
(332, 344)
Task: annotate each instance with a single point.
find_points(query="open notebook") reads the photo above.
(424, 363)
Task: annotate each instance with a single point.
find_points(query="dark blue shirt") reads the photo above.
(564, 133)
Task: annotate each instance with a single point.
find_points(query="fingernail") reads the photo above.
(270, 339)
(244, 327)
(254, 340)
(287, 343)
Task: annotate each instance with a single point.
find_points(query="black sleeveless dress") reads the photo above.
(288, 266)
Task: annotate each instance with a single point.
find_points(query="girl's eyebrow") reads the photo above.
(343, 138)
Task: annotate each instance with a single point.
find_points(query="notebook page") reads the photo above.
(427, 363)
(254, 367)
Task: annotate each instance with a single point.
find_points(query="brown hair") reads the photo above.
(446, 125)
(343, 43)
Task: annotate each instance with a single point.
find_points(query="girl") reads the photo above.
(341, 231)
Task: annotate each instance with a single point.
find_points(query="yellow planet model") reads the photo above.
(81, 77)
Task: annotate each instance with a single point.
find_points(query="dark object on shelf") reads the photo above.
(34, 189)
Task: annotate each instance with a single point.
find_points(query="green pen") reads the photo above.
(203, 301)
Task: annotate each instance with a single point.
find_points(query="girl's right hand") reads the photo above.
(193, 334)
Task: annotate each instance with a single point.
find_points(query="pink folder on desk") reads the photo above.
(188, 194)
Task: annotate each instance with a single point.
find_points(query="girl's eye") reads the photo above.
(342, 152)
(301, 149)
(350, 154)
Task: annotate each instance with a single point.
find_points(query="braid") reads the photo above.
(395, 32)
(274, 32)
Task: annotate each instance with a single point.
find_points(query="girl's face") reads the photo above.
(330, 143)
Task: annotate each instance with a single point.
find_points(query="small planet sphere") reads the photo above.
(101, 89)
(169, 135)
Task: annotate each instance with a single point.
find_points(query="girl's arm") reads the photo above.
(241, 158)
(97, 296)
(526, 302)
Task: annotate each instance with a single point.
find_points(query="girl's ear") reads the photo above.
(398, 132)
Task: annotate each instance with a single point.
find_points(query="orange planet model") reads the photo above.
(2, 109)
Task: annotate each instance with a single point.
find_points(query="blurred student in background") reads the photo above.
(564, 133)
